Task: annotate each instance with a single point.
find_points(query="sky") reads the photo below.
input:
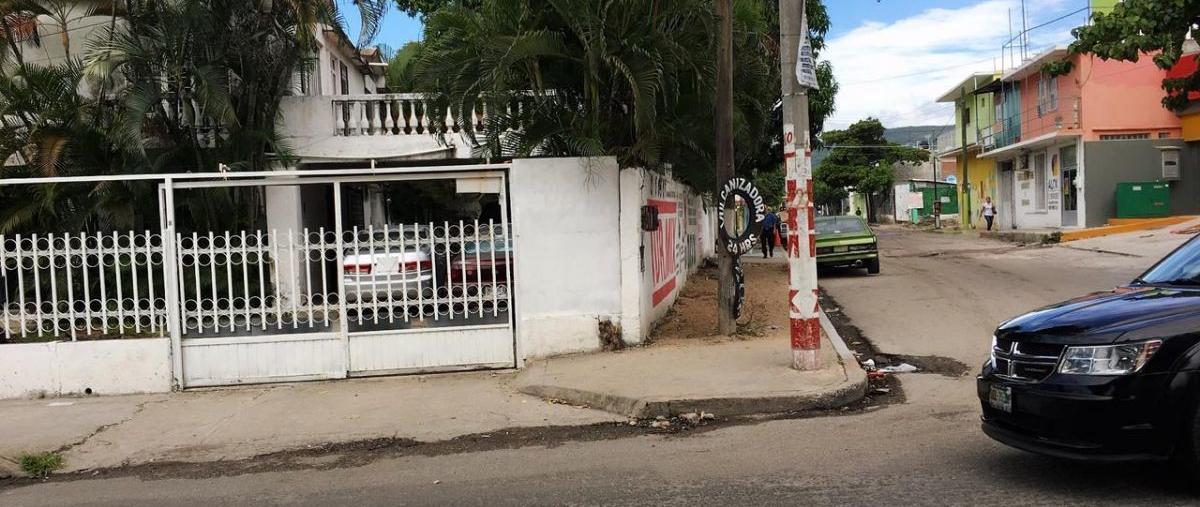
(892, 58)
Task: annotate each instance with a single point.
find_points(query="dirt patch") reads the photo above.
(694, 316)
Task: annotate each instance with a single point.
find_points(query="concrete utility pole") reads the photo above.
(797, 156)
(726, 323)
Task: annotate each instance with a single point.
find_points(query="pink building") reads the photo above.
(1069, 129)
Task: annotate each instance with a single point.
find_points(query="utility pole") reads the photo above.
(797, 155)
(726, 323)
(966, 182)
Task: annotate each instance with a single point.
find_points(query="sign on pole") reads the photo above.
(806, 65)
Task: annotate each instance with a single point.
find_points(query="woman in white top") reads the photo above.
(988, 211)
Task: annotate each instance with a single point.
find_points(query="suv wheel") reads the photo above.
(1186, 460)
(873, 266)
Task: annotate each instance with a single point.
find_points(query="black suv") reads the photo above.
(1111, 376)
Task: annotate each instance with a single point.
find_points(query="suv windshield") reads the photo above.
(839, 225)
(1180, 268)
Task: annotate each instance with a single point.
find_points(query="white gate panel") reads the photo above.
(432, 350)
(220, 361)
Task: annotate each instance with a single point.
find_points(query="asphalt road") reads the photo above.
(938, 295)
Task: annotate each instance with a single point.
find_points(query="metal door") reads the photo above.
(300, 303)
(1070, 194)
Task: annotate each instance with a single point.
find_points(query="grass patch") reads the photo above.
(41, 464)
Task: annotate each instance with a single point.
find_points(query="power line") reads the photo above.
(1047, 23)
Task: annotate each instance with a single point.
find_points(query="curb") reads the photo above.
(853, 389)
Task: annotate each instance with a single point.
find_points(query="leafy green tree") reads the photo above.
(765, 159)
(860, 160)
(1137, 27)
(425, 7)
(772, 185)
(401, 70)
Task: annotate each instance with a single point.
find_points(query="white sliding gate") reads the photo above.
(283, 304)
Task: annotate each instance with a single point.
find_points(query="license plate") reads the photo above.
(841, 249)
(1000, 398)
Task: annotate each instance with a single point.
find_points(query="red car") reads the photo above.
(481, 264)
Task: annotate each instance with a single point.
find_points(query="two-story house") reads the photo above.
(1064, 130)
(1070, 128)
(974, 116)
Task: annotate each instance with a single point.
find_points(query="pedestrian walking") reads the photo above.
(988, 211)
(768, 234)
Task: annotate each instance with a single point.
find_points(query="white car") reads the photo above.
(374, 274)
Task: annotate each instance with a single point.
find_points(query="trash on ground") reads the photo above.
(876, 374)
(901, 368)
(869, 365)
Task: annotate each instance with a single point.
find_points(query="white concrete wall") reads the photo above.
(565, 219)
(82, 29)
(656, 266)
(328, 77)
(1027, 216)
(104, 366)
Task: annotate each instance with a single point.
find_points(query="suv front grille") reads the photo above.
(1026, 362)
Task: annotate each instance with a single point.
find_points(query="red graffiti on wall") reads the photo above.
(663, 254)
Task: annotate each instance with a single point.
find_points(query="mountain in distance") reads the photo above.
(908, 136)
(913, 136)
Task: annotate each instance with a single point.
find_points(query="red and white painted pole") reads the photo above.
(802, 252)
(802, 239)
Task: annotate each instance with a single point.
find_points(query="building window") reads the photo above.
(345, 80)
(1164, 135)
(333, 74)
(1047, 94)
(305, 77)
(1039, 181)
(1125, 137)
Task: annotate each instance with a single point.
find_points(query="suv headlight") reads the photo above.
(1120, 359)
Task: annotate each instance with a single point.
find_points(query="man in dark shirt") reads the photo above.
(769, 230)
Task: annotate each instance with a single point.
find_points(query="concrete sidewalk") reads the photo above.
(237, 423)
(736, 377)
(730, 378)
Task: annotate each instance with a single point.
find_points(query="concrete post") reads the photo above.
(797, 155)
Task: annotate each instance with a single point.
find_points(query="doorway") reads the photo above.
(1070, 194)
(1004, 202)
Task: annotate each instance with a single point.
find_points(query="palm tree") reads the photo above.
(179, 86)
(629, 78)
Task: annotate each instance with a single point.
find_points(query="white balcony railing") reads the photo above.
(399, 114)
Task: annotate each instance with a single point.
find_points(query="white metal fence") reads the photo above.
(111, 284)
(282, 304)
(71, 286)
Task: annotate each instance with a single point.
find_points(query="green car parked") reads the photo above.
(846, 241)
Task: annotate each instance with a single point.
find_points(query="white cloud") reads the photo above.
(896, 71)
